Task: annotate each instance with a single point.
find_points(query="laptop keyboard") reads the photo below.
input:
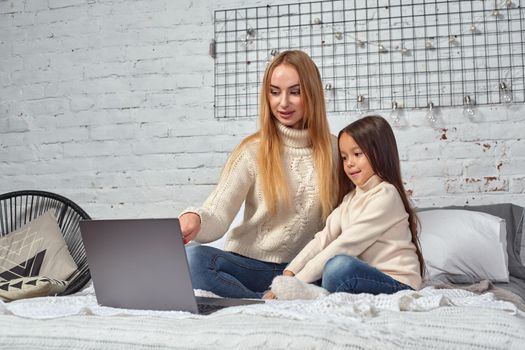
(206, 309)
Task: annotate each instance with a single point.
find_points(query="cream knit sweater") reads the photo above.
(371, 223)
(260, 236)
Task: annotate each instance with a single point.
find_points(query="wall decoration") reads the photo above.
(377, 54)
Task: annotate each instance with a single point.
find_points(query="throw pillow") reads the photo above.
(36, 249)
(30, 287)
(514, 216)
(462, 246)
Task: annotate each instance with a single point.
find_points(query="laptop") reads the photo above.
(142, 264)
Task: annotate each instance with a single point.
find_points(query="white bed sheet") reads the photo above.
(430, 318)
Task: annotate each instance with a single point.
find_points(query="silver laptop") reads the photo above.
(142, 264)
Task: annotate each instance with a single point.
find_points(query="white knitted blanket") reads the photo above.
(429, 318)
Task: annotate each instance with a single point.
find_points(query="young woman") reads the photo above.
(369, 243)
(284, 175)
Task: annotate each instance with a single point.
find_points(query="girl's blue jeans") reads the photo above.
(231, 275)
(344, 273)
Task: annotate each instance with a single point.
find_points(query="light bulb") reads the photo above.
(394, 115)
(431, 115)
(506, 94)
(361, 104)
(248, 38)
(468, 109)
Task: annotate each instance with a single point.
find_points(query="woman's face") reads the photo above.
(285, 98)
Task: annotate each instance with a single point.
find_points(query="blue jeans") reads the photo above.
(230, 275)
(344, 273)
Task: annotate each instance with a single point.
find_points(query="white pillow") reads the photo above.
(463, 246)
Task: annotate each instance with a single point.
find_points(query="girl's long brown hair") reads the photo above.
(376, 139)
(274, 185)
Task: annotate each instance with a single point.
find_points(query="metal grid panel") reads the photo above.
(408, 52)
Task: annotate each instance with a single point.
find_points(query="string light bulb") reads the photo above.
(468, 109)
(431, 114)
(394, 114)
(506, 94)
(249, 37)
(361, 104)
(317, 20)
(404, 50)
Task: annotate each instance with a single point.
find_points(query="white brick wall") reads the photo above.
(110, 103)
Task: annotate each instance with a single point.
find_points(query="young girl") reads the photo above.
(284, 173)
(369, 243)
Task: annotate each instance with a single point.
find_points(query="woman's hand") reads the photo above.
(288, 273)
(190, 224)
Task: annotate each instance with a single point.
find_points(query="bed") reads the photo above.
(458, 310)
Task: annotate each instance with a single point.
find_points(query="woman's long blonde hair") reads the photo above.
(269, 160)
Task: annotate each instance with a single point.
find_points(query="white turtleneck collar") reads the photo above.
(294, 138)
(372, 182)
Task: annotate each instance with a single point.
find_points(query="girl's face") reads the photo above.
(285, 98)
(355, 163)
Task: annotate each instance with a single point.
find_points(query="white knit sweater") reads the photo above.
(371, 223)
(260, 236)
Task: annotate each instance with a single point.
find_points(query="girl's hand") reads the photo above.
(269, 295)
(190, 224)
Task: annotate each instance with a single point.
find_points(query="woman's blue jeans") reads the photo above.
(230, 275)
(344, 273)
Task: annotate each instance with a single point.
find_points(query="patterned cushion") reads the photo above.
(35, 249)
(29, 287)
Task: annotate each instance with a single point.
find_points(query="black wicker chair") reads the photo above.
(20, 207)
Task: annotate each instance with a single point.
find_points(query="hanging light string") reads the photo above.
(429, 42)
(250, 35)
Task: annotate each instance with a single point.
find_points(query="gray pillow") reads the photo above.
(513, 216)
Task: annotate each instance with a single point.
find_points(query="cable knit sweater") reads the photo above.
(260, 236)
(371, 223)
